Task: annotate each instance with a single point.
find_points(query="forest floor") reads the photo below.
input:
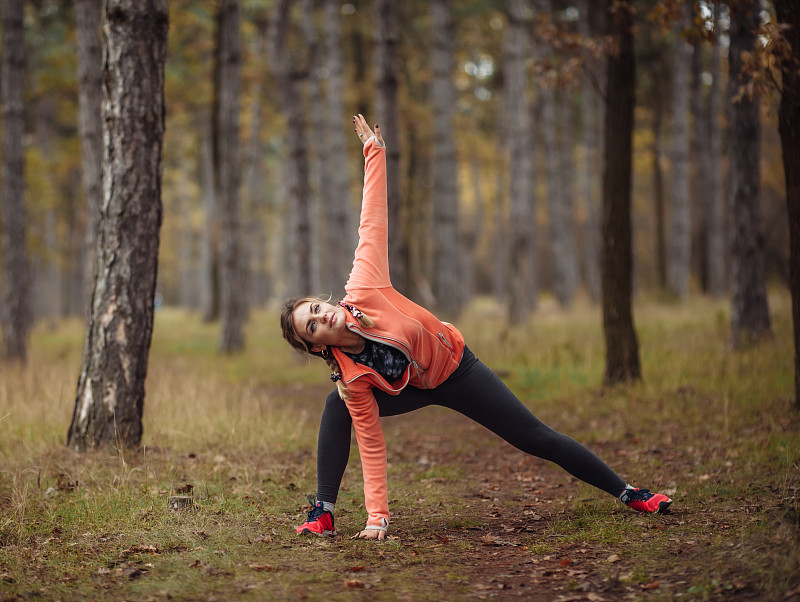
(472, 518)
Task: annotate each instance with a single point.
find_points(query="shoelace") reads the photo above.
(637, 495)
(317, 510)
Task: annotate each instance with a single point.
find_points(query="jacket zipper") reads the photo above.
(394, 343)
(446, 342)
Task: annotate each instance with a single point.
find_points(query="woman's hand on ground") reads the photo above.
(364, 132)
(370, 534)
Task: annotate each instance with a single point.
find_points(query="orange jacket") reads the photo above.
(433, 348)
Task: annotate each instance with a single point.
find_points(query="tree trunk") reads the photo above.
(228, 167)
(386, 87)
(15, 314)
(660, 205)
(680, 238)
(750, 320)
(290, 82)
(622, 348)
(709, 168)
(522, 226)
(209, 244)
(788, 11)
(90, 97)
(337, 195)
(110, 397)
(447, 277)
(590, 78)
(715, 225)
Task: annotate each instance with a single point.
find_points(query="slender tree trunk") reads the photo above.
(228, 167)
(750, 320)
(15, 313)
(590, 110)
(715, 226)
(788, 11)
(90, 97)
(386, 87)
(110, 397)
(660, 204)
(680, 231)
(209, 264)
(290, 81)
(521, 276)
(447, 277)
(622, 347)
(338, 209)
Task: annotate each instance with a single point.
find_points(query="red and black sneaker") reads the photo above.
(319, 522)
(644, 501)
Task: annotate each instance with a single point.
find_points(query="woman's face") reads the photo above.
(320, 324)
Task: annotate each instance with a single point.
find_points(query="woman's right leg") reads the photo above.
(333, 447)
(333, 442)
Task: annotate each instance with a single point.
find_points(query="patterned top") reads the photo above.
(387, 361)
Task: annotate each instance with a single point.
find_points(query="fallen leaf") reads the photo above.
(353, 583)
(355, 569)
(613, 558)
(263, 567)
(651, 585)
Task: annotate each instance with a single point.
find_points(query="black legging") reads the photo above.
(476, 392)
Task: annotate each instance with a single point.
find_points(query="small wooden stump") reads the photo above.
(180, 502)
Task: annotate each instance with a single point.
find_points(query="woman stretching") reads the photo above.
(389, 356)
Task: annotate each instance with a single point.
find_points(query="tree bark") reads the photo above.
(387, 87)
(680, 234)
(788, 11)
(228, 167)
(750, 320)
(110, 397)
(590, 109)
(290, 81)
(15, 314)
(622, 347)
(522, 288)
(447, 277)
(336, 191)
(709, 167)
(90, 100)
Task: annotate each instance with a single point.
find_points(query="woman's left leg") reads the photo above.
(475, 391)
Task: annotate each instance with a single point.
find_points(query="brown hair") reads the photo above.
(301, 345)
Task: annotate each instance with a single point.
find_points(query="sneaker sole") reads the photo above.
(663, 507)
(323, 534)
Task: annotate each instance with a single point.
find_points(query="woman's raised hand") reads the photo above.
(364, 132)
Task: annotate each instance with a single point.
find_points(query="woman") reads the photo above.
(389, 356)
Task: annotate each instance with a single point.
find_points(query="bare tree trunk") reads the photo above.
(228, 167)
(788, 11)
(110, 397)
(750, 320)
(659, 202)
(680, 238)
(388, 113)
(15, 313)
(90, 97)
(590, 78)
(337, 195)
(254, 227)
(523, 293)
(209, 244)
(716, 255)
(559, 203)
(290, 81)
(447, 277)
(622, 347)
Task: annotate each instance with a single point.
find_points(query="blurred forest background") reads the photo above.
(331, 49)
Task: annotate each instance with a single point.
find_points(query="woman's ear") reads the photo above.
(318, 348)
